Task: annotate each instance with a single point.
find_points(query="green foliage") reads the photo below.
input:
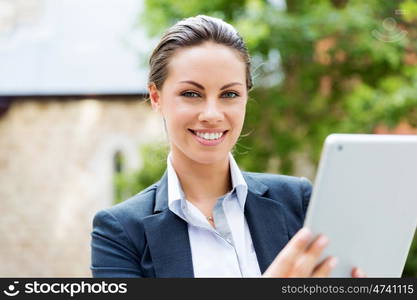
(341, 72)
(320, 67)
(154, 165)
(409, 8)
(410, 269)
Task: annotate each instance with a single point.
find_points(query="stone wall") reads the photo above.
(56, 170)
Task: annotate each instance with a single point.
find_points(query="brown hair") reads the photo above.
(194, 31)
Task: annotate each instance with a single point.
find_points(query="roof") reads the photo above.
(72, 47)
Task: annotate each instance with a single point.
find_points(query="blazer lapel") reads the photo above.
(167, 237)
(266, 222)
(168, 240)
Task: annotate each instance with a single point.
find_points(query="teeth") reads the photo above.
(209, 136)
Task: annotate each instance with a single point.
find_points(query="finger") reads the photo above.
(325, 268)
(358, 273)
(309, 260)
(284, 262)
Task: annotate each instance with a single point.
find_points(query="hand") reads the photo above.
(299, 258)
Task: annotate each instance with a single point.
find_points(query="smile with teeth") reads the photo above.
(209, 136)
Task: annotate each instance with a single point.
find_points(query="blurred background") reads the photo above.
(76, 131)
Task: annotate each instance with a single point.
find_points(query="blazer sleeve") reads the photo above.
(112, 253)
(306, 189)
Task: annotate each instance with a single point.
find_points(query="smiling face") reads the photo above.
(203, 101)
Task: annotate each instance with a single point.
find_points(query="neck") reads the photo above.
(202, 182)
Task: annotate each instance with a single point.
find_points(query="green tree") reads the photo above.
(320, 67)
(126, 184)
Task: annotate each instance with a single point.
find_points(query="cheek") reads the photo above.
(238, 115)
(178, 115)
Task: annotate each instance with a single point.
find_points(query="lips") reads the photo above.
(207, 142)
(194, 132)
(207, 130)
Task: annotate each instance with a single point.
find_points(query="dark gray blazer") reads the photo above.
(141, 237)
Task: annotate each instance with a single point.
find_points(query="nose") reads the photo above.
(211, 112)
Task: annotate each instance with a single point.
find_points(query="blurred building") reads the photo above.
(71, 102)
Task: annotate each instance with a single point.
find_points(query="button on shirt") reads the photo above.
(224, 251)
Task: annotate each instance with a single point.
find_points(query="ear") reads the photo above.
(154, 95)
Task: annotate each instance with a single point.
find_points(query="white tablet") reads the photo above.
(365, 200)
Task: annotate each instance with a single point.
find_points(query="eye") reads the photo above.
(230, 94)
(190, 94)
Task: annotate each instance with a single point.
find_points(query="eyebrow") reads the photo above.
(202, 87)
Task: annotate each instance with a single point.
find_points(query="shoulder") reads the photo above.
(278, 182)
(140, 205)
(118, 236)
(135, 208)
(291, 191)
(126, 218)
(121, 225)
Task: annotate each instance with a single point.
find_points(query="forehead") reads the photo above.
(207, 61)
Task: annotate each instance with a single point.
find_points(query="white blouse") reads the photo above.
(224, 251)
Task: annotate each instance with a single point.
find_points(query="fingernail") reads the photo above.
(333, 262)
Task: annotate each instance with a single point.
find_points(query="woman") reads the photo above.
(204, 217)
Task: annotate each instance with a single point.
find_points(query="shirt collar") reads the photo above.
(175, 191)
(238, 182)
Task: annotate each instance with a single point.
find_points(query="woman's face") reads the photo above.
(203, 101)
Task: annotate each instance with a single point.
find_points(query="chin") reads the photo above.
(207, 157)
(200, 154)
